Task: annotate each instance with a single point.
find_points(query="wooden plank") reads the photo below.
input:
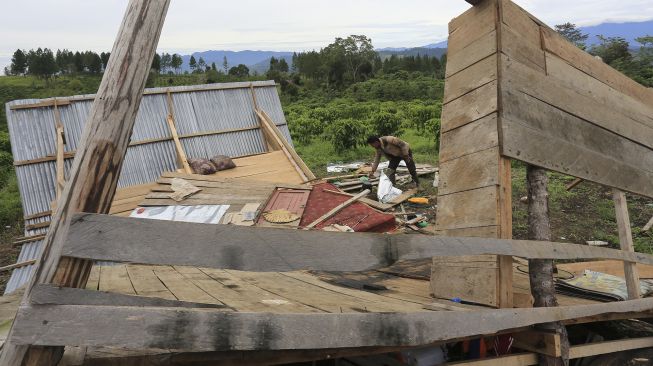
(457, 112)
(17, 265)
(520, 22)
(600, 348)
(44, 103)
(116, 279)
(478, 232)
(336, 209)
(522, 50)
(470, 138)
(240, 294)
(475, 76)
(475, 170)
(93, 282)
(469, 281)
(468, 209)
(60, 169)
(53, 295)
(146, 283)
(472, 24)
(522, 359)
(648, 225)
(540, 134)
(539, 342)
(267, 249)
(39, 225)
(211, 330)
(29, 239)
(181, 154)
(626, 243)
(182, 288)
(476, 51)
(587, 63)
(518, 77)
(588, 86)
(295, 157)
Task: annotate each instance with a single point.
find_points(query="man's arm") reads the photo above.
(377, 159)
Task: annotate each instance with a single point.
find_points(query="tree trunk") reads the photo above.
(541, 270)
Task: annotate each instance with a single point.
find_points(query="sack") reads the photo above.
(386, 192)
(202, 166)
(222, 162)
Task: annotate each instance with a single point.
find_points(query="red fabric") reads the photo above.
(358, 216)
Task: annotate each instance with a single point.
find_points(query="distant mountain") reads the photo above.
(442, 44)
(234, 58)
(391, 49)
(263, 66)
(629, 31)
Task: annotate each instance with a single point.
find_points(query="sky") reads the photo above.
(281, 25)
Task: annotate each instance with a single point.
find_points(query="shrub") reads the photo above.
(304, 129)
(432, 128)
(5, 145)
(385, 123)
(346, 134)
(75, 85)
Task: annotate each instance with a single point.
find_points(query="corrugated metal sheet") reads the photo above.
(197, 109)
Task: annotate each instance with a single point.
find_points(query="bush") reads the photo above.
(75, 85)
(419, 116)
(385, 123)
(346, 134)
(304, 129)
(212, 76)
(5, 145)
(10, 208)
(432, 127)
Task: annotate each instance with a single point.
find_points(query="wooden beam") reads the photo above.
(53, 295)
(277, 143)
(181, 154)
(216, 330)
(154, 91)
(29, 239)
(271, 249)
(61, 141)
(547, 343)
(17, 265)
(626, 242)
(296, 158)
(648, 225)
(574, 183)
(336, 209)
(96, 169)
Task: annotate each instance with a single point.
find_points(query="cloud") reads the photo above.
(273, 25)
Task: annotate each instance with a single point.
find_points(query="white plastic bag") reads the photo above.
(386, 192)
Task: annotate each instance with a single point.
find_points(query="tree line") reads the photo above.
(616, 52)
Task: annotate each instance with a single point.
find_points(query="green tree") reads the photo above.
(94, 62)
(346, 134)
(385, 123)
(192, 63)
(611, 49)
(156, 63)
(41, 63)
(201, 65)
(358, 51)
(166, 62)
(212, 76)
(225, 64)
(18, 63)
(213, 67)
(175, 62)
(240, 71)
(572, 34)
(283, 65)
(104, 56)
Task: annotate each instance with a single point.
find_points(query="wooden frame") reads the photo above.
(515, 89)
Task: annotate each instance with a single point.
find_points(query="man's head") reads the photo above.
(374, 141)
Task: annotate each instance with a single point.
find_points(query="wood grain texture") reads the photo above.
(470, 138)
(626, 243)
(517, 47)
(587, 63)
(476, 51)
(471, 25)
(268, 249)
(476, 170)
(540, 134)
(96, 169)
(470, 107)
(473, 208)
(211, 330)
(476, 75)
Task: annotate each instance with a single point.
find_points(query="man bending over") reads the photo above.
(395, 150)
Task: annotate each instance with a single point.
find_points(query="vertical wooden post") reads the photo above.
(267, 138)
(626, 242)
(96, 168)
(181, 154)
(541, 270)
(61, 180)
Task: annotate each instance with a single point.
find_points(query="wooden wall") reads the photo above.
(474, 192)
(515, 89)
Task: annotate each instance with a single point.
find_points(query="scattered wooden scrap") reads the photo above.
(648, 225)
(182, 189)
(574, 183)
(17, 265)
